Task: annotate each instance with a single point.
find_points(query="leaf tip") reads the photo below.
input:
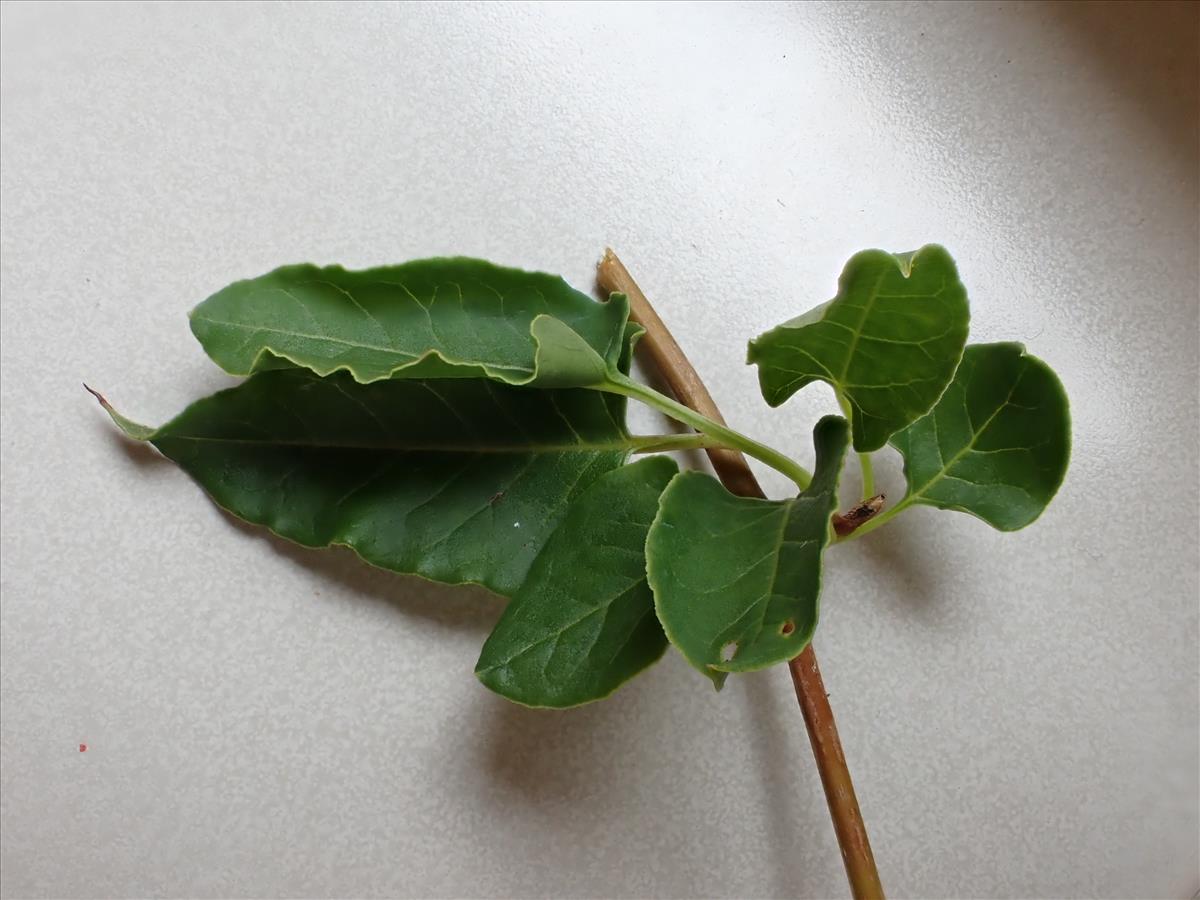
(718, 678)
(99, 397)
(132, 429)
(752, 351)
(615, 297)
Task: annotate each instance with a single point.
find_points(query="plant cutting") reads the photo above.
(465, 422)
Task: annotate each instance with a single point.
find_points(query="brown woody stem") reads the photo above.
(733, 470)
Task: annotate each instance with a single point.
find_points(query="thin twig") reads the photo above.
(731, 467)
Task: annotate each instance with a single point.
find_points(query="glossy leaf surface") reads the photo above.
(583, 622)
(458, 480)
(888, 343)
(736, 580)
(997, 443)
(433, 318)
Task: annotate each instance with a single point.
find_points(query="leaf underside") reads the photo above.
(998, 442)
(888, 343)
(457, 480)
(583, 622)
(433, 318)
(737, 580)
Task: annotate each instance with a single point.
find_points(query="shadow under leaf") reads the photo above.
(452, 606)
(901, 560)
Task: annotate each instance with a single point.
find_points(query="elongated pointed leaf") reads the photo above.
(736, 580)
(433, 318)
(997, 443)
(583, 622)
(457, 480)
(888, 343)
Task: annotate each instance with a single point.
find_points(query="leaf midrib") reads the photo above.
(968, 447)
(534, 448)
(763, 599)
(862, 321)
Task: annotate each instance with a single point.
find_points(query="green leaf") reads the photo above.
(433, 318)
(740, 576)
(458, 480)
(888, 343)
(583, 622)
(997, 443)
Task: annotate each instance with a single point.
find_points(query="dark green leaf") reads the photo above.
(433, 318)
(888, 343)
(583, 622)
(458, 480)
(997, 443)
(736, 580)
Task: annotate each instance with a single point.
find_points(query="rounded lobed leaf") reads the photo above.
(736, 580)
(888, 343)
(998, 442)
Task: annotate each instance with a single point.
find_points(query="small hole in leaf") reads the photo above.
(728, 651)
(788, 627)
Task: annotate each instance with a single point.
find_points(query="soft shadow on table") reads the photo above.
(542, 753)
(779, 754)
(899, 556)
(1148, 52)
(140, 453)
(549, 760)
(901, 559)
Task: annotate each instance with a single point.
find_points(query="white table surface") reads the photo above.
(1019, 711)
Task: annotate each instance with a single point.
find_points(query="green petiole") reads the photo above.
(864, 459)
(868, 476)
(725, 436)
(712, 434)
(663, 443)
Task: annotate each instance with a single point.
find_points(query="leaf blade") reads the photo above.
(582, 623)
(435, 318)
(998, 442)
(888, 342)
(714, 586)
(460, 481)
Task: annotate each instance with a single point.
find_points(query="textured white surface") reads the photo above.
(1020, 711)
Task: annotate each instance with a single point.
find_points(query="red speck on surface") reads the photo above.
(83, 748)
